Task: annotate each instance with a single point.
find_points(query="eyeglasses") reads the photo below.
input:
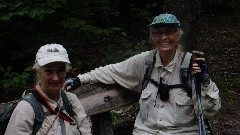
(166, 32)
(50, 71)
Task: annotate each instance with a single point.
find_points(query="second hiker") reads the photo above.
(51, 66)
(168, 103)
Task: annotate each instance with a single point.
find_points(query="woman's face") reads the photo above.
(52, 77)
(165, 38)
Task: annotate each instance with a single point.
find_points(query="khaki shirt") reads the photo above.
(22, 119)
(178, 115)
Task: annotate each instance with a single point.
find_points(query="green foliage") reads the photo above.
(116, 117)
(37, 10)
(94, 32)
(125, 113)
(82, 25)
(122, 54)
(11, 79)
(100, 32)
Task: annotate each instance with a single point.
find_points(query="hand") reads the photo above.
(71, 83)
(197, 62)
(200, 67)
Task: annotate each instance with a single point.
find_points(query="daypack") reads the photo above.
(32, 99)
(185, 70)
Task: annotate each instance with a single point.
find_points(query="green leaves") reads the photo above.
(13, 79)
(36, 10)
(82, 25)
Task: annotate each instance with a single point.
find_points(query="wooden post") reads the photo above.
(102, 124)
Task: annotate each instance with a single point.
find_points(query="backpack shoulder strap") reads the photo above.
(67, 104)
(150, 60)
(185, 70)
(187, 56)
(38, 110)
(5, 114)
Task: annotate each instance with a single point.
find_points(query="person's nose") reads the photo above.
(55, 76)
(163, 36)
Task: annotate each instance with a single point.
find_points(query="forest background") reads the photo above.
(100, 32)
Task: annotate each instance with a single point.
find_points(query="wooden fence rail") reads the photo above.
(98, 100)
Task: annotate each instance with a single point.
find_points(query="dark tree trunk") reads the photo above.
(102, 124)
(187, 11)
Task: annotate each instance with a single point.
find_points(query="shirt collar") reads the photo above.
(170, 66)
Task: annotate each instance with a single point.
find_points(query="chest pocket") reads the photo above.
(145, 102)
(184, 109)
(182, 99)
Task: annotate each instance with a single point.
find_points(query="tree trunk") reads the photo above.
(102, 124)
(187, 11)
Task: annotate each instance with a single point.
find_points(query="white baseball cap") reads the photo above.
(51, 53)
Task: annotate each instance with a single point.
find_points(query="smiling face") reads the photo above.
(52, 78)
(165, 38)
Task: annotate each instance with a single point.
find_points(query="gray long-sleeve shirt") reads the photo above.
(177, 115)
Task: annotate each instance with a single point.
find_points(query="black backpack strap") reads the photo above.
(37, 101)
(150, 60)
(38, 110)
(185, 71)
(67, 104)
(5, 114)
(61, 114)
(163, 89)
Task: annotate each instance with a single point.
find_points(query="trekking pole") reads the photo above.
(202, 130)
(197, 83)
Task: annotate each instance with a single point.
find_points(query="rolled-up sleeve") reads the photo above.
(211, 102)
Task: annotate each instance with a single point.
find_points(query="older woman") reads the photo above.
(161, 113)
(51, 66)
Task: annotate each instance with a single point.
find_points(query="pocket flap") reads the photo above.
(145, 94)
(183, 99)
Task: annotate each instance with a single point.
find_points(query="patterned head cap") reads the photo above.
(165, 19)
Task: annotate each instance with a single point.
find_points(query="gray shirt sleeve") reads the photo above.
(128, 73)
